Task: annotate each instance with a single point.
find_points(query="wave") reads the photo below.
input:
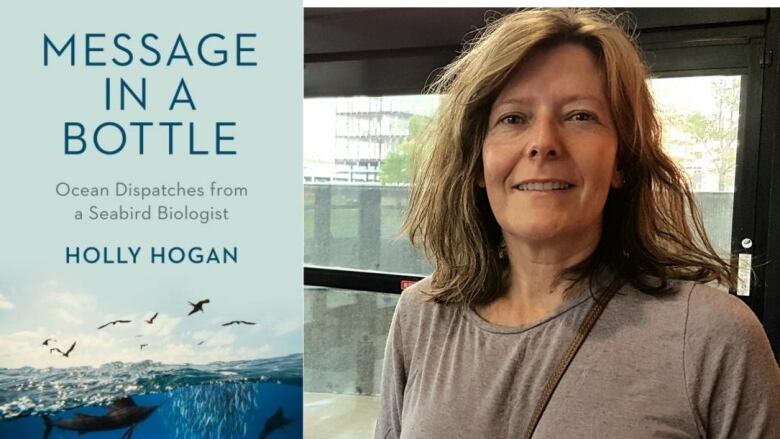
(30, 391)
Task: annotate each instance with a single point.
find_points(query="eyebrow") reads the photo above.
(563, 101)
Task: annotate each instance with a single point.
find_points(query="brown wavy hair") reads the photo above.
(652, 229)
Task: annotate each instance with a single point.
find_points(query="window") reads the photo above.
(700, 120)
(357, 163)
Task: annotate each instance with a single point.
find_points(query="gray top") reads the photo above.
(695, 363)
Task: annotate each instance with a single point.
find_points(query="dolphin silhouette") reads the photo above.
(120, 414)
(273, 423)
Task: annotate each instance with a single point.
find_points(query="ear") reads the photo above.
(617, 179)
(481, 178)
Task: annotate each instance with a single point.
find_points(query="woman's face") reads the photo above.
(549, 153)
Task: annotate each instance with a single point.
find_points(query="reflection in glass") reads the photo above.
(700, 128)
(344, 334)
(357, 167)
(362, 139)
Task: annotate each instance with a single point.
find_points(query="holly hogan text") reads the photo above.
(151, 255)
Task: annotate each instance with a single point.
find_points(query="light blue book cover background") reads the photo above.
(150, 161)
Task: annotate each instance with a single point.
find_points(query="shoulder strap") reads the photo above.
(552, 382)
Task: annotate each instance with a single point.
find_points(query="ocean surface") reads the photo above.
(217, 400)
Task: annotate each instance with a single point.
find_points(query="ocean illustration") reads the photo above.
(184, 367)
(239, 399)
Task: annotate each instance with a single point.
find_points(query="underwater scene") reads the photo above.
(239, 399)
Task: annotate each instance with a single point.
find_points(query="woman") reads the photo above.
(547, 202)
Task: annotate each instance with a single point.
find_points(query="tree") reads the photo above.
(397, 165)
(717, 132)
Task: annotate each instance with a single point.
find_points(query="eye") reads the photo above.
(512, 119)
(582, 116)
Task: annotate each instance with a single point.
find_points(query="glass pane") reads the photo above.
(357, 162)
(700, 128)
(344, 334)
(357, 153)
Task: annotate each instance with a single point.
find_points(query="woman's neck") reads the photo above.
(536, 288)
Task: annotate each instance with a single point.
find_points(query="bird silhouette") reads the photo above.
(197, 306)
(144, 345)
(46, 342)
(150, 321)
(114, 323)
(238, 322)
(66, 353)
(201, 342)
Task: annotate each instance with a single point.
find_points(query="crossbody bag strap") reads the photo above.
(552, 382)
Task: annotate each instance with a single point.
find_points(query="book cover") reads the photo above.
(150, 261)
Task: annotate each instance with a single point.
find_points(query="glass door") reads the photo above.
(707, 90)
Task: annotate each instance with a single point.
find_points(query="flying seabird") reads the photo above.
(201, 342)
(66, 353)
(197, 306)
(238, 322)
(150, 321)
(144, 345)
(46, 342)
(114, 323)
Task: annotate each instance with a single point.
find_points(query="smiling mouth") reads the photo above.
(546, 186)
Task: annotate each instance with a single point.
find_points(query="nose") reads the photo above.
(545, 141)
